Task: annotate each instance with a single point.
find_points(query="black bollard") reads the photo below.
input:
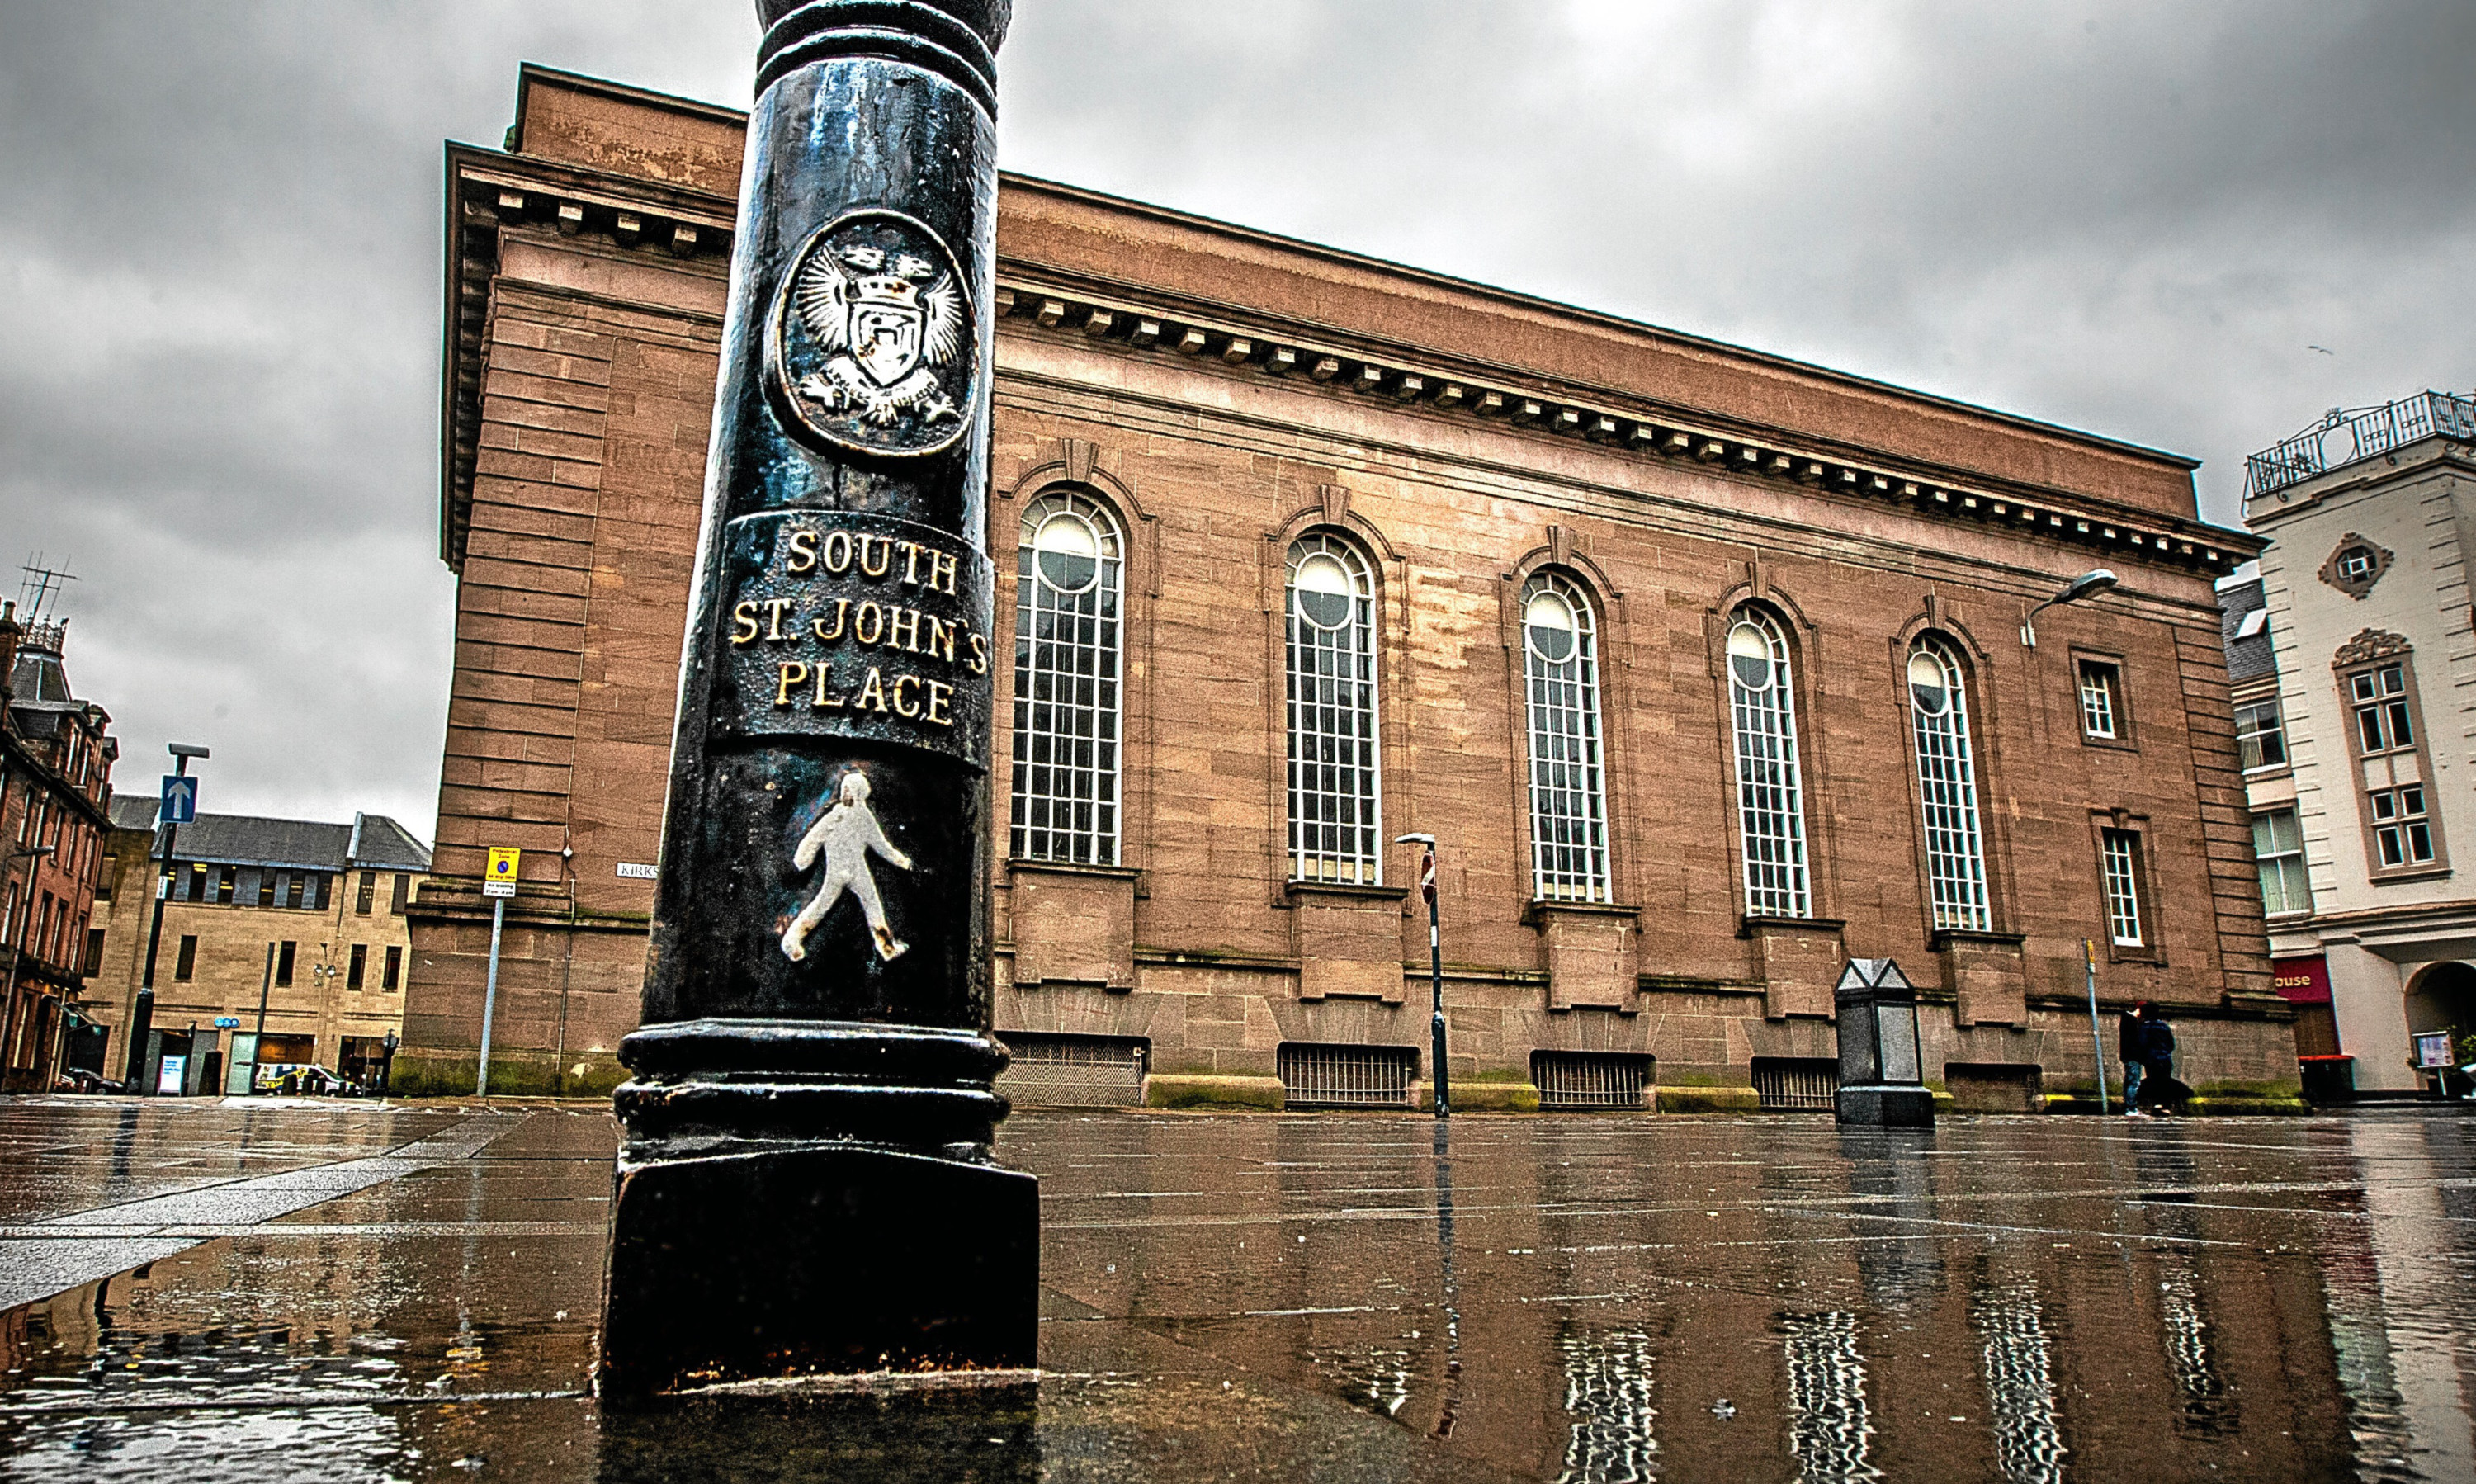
(807, 1186)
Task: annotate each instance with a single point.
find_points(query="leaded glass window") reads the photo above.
(1560, 664)
(1070, 565)
(1948, 788)
(1771, 802)
(1329, 607)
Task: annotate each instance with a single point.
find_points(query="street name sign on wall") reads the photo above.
(180, 805)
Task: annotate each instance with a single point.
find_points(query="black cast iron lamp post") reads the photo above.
(807, 1183)
(1882, 1075)
(1435, 967)
(2088, 584)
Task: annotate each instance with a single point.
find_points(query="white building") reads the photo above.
(2353, 668)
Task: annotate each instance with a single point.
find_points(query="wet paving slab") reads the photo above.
(1361, 1297)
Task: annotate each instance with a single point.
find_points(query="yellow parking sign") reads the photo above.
(503, 864)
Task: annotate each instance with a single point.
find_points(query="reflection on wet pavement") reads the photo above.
(1575, 1299)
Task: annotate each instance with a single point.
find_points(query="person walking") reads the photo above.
(2158, 1045)
(2132, 1044)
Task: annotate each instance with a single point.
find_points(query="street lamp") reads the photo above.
(1435, 966)
(1882, 1078)
(141, 1015)
(2087, 585)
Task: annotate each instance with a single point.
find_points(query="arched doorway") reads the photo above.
(2443, 997)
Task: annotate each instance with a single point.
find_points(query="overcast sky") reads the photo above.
(220, 254)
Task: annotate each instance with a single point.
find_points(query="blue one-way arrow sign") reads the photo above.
(180, 800)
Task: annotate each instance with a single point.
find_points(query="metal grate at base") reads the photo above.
(1073, 1072)
(1590, 1080)
(1796, 1084)
(1347, 1076)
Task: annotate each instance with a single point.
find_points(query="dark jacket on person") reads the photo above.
(2131, 1039)
(2159, 1046)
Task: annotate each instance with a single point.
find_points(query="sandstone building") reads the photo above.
(2353, 676)
(1705, 667)
(309, 915)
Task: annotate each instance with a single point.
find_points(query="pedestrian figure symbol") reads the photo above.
(846, 833)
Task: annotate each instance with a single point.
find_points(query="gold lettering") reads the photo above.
(803, 551)
(941, 637)
(792, 672)
(979, 663)
(899, 708)
(868, 625)
(842, 606)
(743, 623)
(911, 551)
(941, 572)
(774, 607)
(871, 690)
(838, 552)
(824, 700)
(884, 555)
(939, 695)
(902, 627)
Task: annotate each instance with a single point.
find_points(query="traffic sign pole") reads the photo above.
(498, 884)
(258, 1042)
(179, 804)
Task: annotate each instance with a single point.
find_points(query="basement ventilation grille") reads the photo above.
(1073, 1072)
(1796, 1084)
(1589, 1079)
(1347, 1076)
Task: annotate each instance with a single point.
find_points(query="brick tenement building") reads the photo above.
(307, 913)
(1704, 665)
(55, 756)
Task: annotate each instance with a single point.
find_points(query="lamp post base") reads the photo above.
(806, 1198)
(1885, 1108)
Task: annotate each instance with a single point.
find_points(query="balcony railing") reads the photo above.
(2349, 435)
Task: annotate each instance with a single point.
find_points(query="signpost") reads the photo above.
(178, 805)
(2097, 1038)
(807, 1183)
(498, 884)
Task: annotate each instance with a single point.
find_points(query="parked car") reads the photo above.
(78, 1079)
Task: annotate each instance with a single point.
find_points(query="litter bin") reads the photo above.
(2328, 1080)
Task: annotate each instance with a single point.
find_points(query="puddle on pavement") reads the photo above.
(1575, 1299)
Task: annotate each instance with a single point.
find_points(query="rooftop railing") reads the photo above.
(2346, 435)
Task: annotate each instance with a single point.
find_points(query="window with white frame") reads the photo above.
(2101, 700)
(2384, 721)
(2261, 736)
(1560, 665)
(1068, 664)
(2120, 853)
(2278, 845)
(1948, 788)
(2402, 832)
(1771, 804)
(1330, 605)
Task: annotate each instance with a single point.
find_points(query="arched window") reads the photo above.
(1948, 788)
(1568, 814)
(1771, 801)
(1335, 832)
(1067, 668)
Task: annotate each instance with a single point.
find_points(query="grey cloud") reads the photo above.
(219, 270)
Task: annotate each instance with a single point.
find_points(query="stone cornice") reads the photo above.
(1439, 384)
(488, 190)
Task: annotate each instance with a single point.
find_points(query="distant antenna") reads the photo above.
(43, 586)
